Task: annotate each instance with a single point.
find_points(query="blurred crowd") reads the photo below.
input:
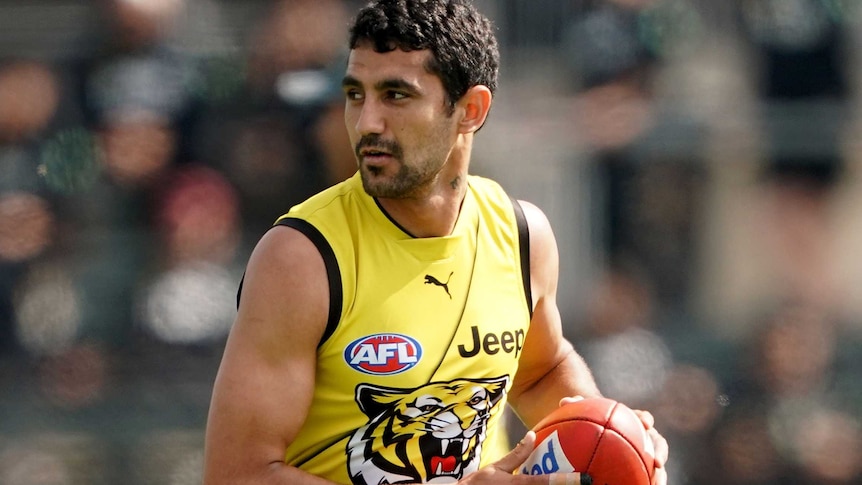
(135, 174)
(715, 145)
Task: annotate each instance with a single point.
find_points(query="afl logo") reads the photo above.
(383, 354)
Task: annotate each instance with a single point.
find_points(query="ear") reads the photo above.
(476, 103)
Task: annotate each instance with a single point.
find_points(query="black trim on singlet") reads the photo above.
(393, 221)
(336, 294)
(239, 290)
(524, 248)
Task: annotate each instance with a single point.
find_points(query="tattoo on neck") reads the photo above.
(455, 182)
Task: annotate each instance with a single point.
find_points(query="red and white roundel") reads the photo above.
(383, 354)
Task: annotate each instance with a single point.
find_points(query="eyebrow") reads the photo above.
(383, 85)
(349, 81)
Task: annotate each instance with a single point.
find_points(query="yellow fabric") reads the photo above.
(461, 300)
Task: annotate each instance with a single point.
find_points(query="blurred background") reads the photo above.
(699, 159)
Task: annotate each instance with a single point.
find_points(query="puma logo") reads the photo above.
(430, 280)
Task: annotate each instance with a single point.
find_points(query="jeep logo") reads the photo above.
(492, 343)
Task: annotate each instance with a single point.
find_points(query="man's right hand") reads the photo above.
(503, 471)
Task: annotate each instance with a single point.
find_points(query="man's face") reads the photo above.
(398, 121)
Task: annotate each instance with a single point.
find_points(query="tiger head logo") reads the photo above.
(433, 433)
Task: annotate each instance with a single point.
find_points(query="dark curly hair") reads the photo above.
(461, 40)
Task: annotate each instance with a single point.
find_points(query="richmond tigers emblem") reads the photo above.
(430, 434)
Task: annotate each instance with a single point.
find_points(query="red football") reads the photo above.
(597, 436)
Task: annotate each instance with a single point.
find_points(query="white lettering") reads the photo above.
(382, 353)
(403, 356)
(364, 353)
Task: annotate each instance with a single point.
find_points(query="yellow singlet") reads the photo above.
(423, 338)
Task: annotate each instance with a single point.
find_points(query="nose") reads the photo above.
(370, 120)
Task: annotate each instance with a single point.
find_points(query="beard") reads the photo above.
(404, 184)
(407, 182)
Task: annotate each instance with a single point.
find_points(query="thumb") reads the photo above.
(518, 455)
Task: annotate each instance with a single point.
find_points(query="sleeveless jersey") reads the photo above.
(423, 338)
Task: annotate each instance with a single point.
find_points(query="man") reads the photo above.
(385, 323)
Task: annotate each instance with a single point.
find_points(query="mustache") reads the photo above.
(377, 143)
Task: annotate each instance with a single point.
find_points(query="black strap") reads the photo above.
(524, 248)
(336, 295)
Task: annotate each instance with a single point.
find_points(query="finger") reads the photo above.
(571, 399)
(660, 447)
(569, 479)
(518, 455)
(659, 477)
(646, 418)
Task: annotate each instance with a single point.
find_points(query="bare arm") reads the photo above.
(550, 368)
(266, 379)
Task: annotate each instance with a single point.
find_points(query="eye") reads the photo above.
(426, 405)
(427, 408)
(396, 95)
(353, 94)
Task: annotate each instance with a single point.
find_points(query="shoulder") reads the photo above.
(485, 185)
(541, 231)
(284, 246)
(328, 200)
(544, 256)
(285, 286)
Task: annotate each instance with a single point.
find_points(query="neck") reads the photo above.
(434, 212)
(432, 215)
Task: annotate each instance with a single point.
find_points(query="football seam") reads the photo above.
(627, 440)
(604, 424)
(598, 443)
(602, 435)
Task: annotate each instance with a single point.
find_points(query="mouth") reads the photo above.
(374, 156)
(445, 457)
(374, 151)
